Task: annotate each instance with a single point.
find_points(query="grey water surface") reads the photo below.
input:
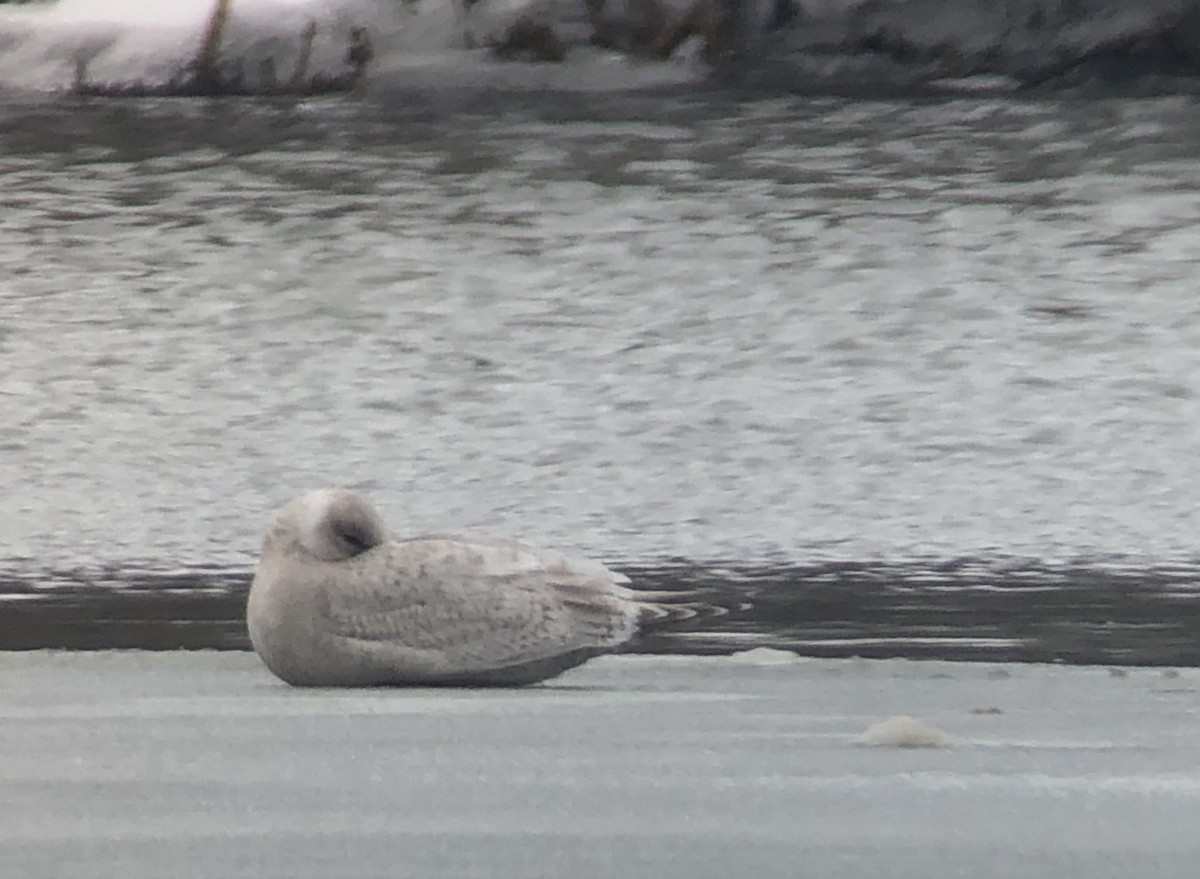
(647, 325)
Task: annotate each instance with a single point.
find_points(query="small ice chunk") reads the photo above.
(902, 731)
(765, 656)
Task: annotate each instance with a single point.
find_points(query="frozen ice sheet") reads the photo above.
(132, 764)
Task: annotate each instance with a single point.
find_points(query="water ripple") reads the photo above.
(779, 330)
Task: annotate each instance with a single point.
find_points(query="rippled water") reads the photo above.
(641, 325)
(772, 332)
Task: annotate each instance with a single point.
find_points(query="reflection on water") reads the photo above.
(768, 330)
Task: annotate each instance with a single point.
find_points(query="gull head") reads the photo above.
(329, 525)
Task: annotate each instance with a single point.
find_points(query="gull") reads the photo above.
(337, 602)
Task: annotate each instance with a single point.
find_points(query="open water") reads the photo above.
(677, 328)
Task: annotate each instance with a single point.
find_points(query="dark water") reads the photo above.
(965, 609)
(841, 343)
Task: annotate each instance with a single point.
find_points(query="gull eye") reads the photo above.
(356, 536)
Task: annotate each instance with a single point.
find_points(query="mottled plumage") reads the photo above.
(336, 602)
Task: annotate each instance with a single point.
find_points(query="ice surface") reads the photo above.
(138, 765)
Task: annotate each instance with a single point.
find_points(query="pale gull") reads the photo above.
(336, 602)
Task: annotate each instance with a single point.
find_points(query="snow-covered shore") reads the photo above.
(623, 43)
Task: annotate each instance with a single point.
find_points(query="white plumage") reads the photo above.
(336, 602)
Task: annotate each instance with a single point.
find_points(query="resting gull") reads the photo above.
(336, 602)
